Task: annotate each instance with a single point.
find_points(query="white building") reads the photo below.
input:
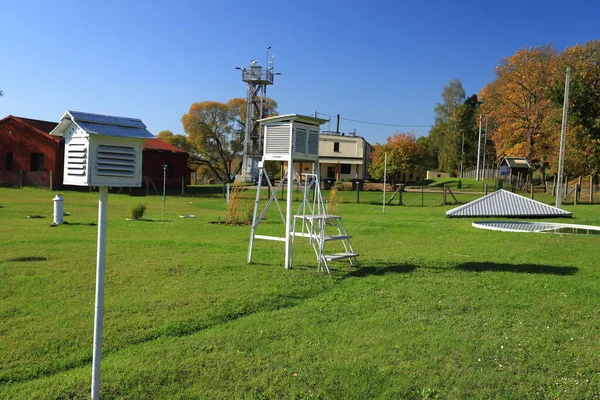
(341, 157)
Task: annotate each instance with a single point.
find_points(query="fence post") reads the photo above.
(400, 202)
(532, 189)
(357, 194)
(485, 189)
(591, 189)
(20, 178)
(444, 196)
(50, 179)
(182, 185)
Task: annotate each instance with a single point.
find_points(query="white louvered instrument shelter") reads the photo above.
(102, 150)
(291, 136)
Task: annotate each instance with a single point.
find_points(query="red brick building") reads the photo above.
(29, 156)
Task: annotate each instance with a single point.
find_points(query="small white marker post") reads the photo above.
(99, 305)
(384, 178)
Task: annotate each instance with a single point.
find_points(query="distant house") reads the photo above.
(29, 156)
(344, 157)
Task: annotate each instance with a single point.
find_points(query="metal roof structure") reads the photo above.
(516, 162)
(506, 204)
(97, 124)
(293, 117)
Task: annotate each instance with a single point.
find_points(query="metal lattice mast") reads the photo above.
(257, 79)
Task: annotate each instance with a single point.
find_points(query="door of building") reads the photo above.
(331, 172)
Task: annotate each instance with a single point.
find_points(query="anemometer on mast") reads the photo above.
(257, 79)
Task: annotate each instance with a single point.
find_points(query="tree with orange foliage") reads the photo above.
(404, 155)
(215, 132)
(519, 101)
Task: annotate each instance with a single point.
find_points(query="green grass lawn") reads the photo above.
(437, 309)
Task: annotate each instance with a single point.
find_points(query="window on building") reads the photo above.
(336, 147)
(10, 163)
(345, 168)
(36, 162)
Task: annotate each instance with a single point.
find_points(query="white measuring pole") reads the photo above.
(384, 177)
(563, 131)
(99, 305)
(288, 212)
(164, 198)
(478, 148)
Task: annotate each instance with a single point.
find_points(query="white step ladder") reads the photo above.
(322, 229)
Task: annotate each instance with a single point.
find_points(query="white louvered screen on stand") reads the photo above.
(300, 141)
(118, 161)
(313, 142)
(76, 158)
(277, 139)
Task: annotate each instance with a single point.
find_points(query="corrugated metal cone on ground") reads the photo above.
(506, 204)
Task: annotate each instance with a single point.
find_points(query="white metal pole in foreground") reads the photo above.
(478, 148)
(99, 307)
(384, 176)
(164, 198)
(288, 212)
(563, 131)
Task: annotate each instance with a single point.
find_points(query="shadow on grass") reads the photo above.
(383, 269)
(27, 259)
(518, 268)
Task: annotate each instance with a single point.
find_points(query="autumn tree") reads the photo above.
(216, 141)
(180, 141)
(519, 103)
(404, 155)
(215, 132)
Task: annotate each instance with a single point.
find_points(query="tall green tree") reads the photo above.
(584, 104)
(453, 136)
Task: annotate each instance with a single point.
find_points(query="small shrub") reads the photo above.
(238, 212)
(138, 210)
(459, 184)
(333, 202)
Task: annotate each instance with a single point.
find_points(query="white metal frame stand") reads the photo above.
(311, 221)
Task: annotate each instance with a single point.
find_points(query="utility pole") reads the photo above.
(484, 146)
(478, 147)
(563, 132)
(462, 153)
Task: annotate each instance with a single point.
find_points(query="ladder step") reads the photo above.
(339, 256)
(318, 216)
(337, 237)
(325, 238)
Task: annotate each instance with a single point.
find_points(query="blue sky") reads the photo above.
(376, 61)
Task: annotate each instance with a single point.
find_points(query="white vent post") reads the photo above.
(101, 151)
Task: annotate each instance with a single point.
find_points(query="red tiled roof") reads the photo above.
(43, 127)
(161, 145)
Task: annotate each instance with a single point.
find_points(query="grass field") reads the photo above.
(437, 309)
